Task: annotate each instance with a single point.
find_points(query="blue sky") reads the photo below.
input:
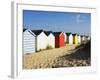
(58, 21)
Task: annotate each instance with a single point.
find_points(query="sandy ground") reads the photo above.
(53, 58)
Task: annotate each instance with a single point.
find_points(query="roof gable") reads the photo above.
(62, 33)
(48, 33)
(29, 31)
(68, 34)
(37, 32)
(57, 33)
(82, 35)
(74, 34)
(24, 29)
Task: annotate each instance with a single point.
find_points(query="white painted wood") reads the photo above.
(29, 42)
(51, 40)
(83, 38)
(65, 37)
(70, 39)
(88, 38)
(79, 39)
(41, 41)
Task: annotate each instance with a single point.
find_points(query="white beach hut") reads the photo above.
(50, 39)
(87, 38)
(69, 38)
(82, 38)
(29, 41)
(79, 39)
(41, 39)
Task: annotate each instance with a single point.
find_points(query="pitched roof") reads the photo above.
(37, 32)
(57, 33)
(24, 29)
(82, 35)
(47, 32)
(68, 34)
(74, 34)
(87, 36)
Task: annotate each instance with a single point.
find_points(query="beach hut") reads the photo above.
(59, 39)
(69, 38)
(29, 41)
(75, 38)
(41, 39)
(79, 39)
(65, 37)
(82, 38)
(87, 38)
(50, 39)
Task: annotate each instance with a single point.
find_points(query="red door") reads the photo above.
(62, 40)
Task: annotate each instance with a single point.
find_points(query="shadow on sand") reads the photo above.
(80, 56)
(83, 52)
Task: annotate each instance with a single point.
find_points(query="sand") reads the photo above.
(54, 58)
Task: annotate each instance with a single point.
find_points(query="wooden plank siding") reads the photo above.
(75, 38)
(59, 39)
(69, 38)
(41, 41)
(51, 40)
(29, 42)
(79, 39)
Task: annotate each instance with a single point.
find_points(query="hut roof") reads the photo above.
(57, 33)
(24, 29)
(47, 32)
(68, 34)
(74, 34)
(37, 32)
(82, 35)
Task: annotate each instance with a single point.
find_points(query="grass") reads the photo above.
(49, 47)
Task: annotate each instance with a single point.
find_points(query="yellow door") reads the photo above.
(76, 39)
